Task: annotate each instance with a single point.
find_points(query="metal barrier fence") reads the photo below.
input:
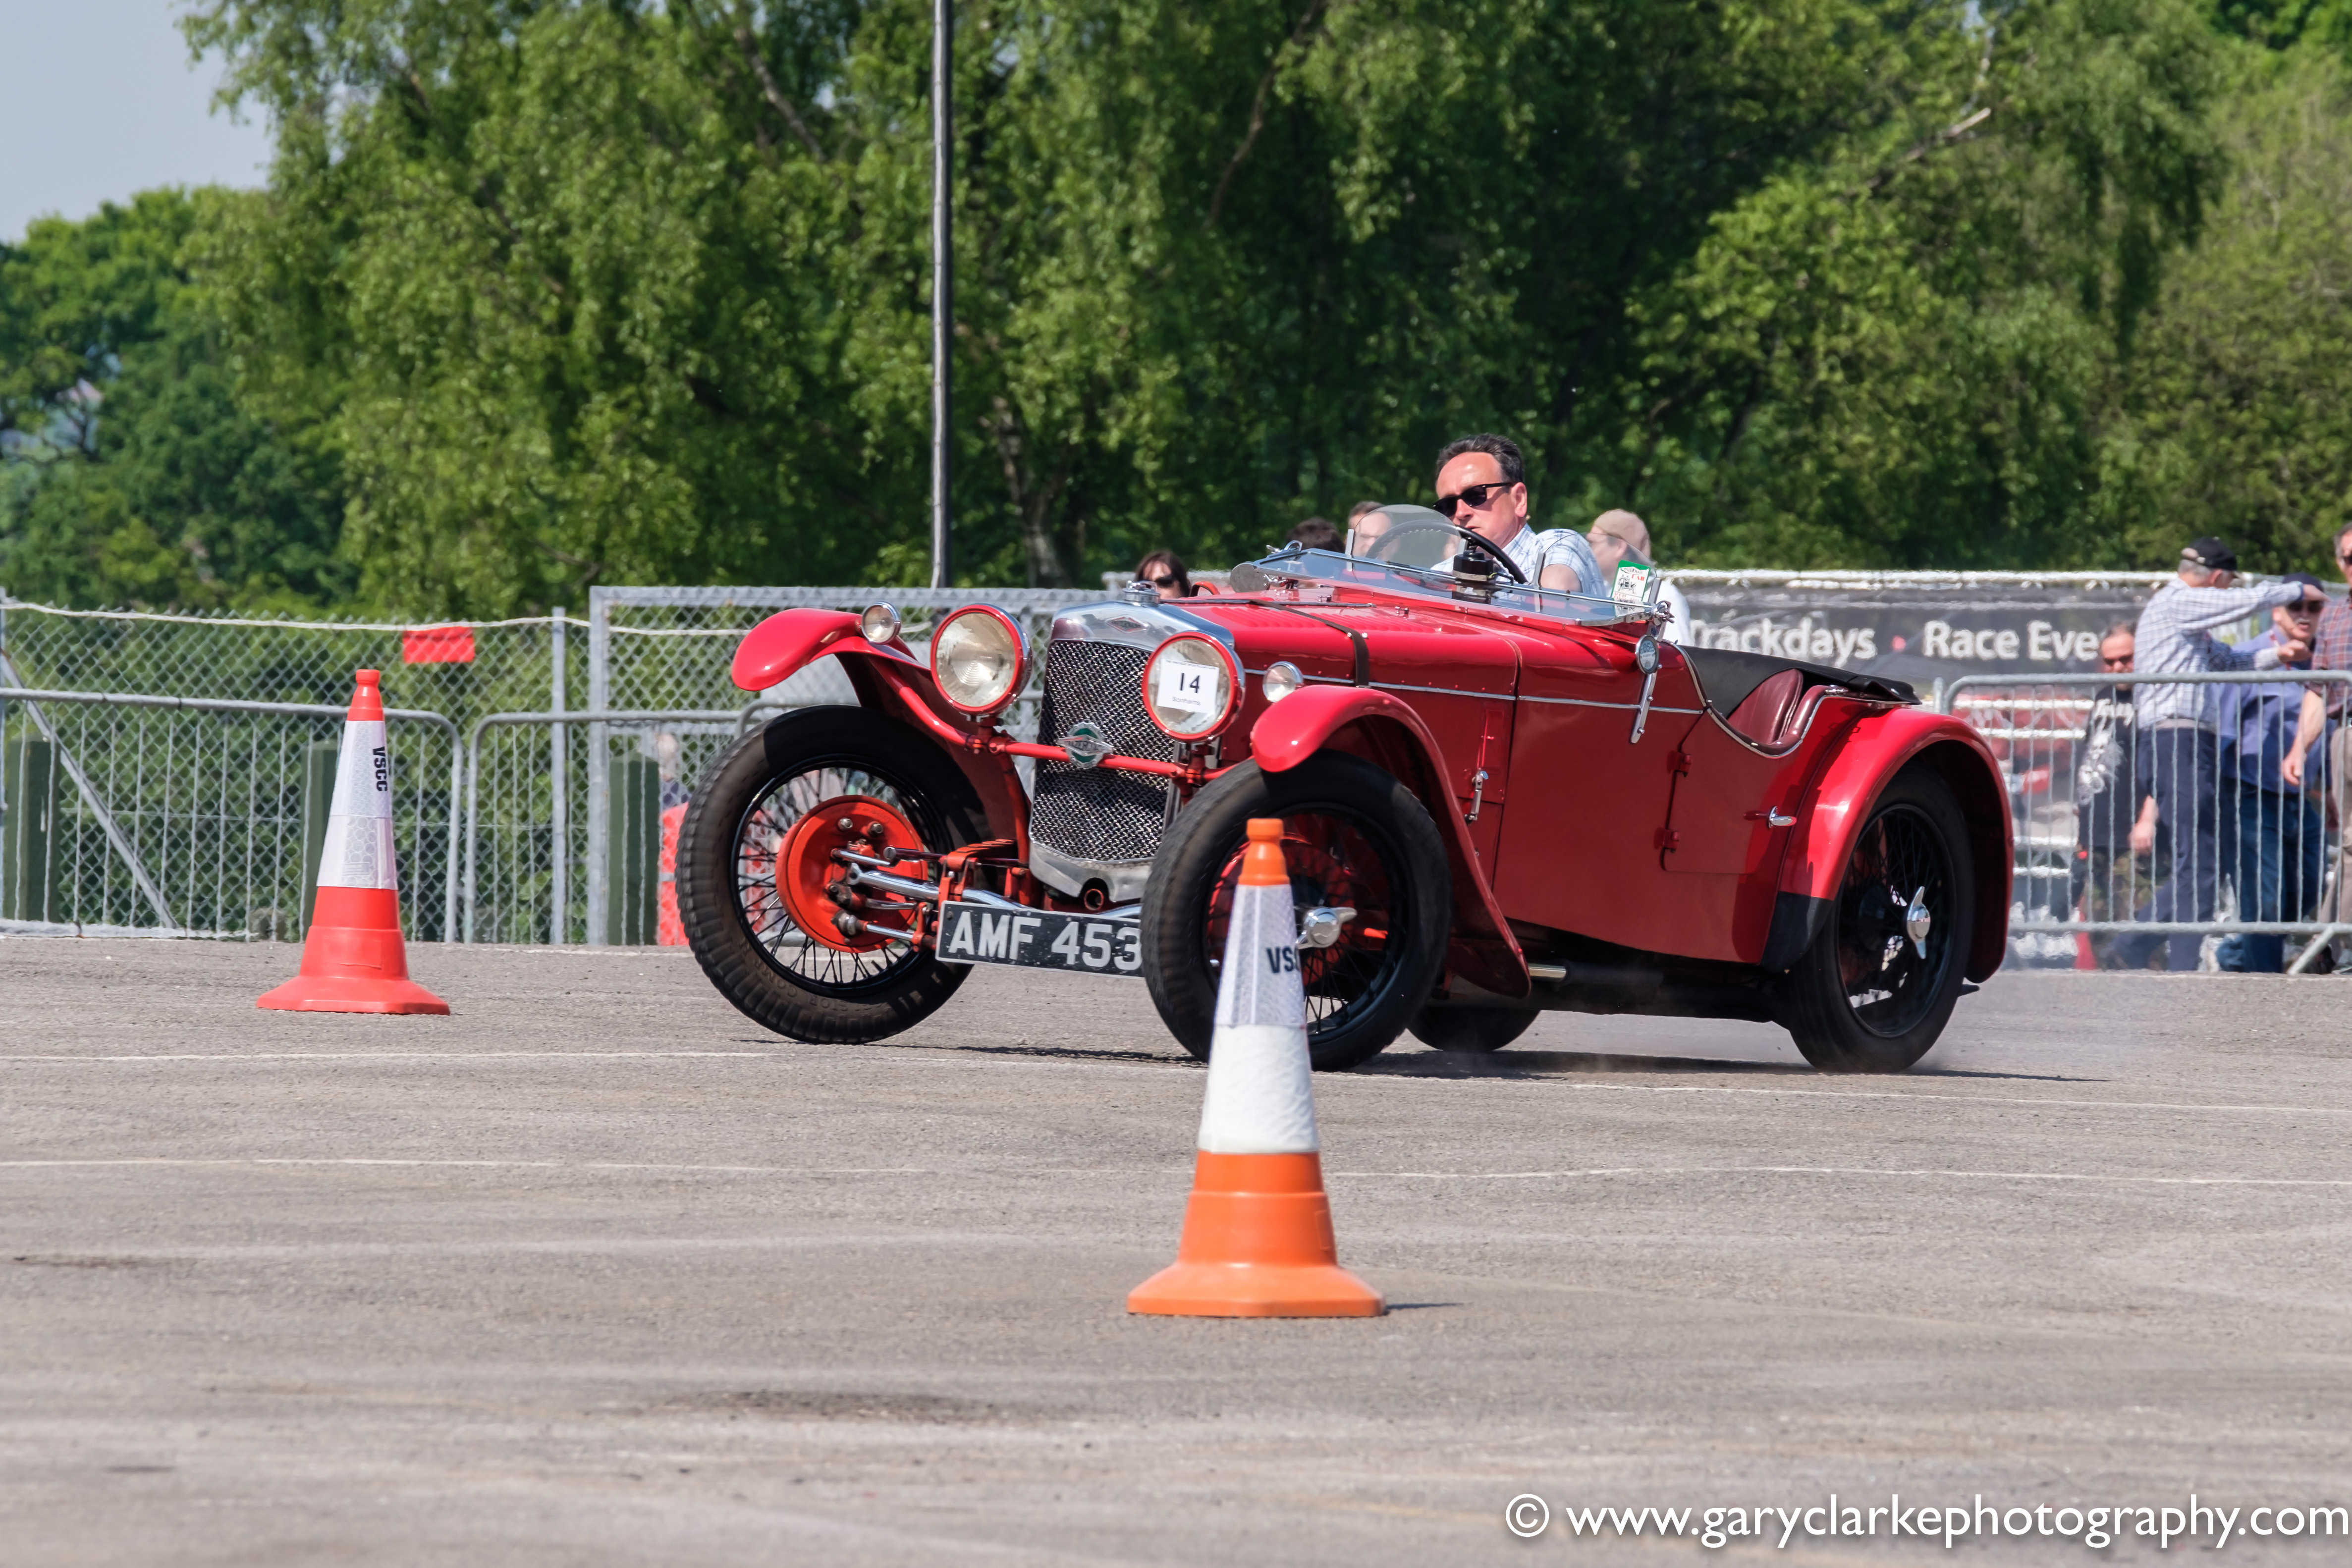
(195, 816)
(174, 810)
(2132, 842)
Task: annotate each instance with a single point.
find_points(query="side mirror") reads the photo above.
(1645, 659)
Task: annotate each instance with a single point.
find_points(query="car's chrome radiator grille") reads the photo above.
(1096, 813)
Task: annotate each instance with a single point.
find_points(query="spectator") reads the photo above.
(1164, 570)
(1482, 486)
(1619, 537)
(2175, 635)
(1317, 533)
(2325, 710)
(1366, 522)
(2116, 847)
(2272, 830)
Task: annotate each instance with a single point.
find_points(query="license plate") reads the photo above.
(1040, 939)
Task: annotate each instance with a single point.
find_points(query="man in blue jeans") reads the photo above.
(2273, 831)
(2175, 635)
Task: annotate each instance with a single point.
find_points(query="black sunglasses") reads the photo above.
(1168, 580)
(1477, 496)
(2307, 606)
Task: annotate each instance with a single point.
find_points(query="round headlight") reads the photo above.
(978, 656)
(879, 624)
(1281, 678)
(1189, 687)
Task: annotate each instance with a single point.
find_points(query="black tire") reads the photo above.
(1368, 842)
(737, 924)
(1470, 1028)
(1864, 998)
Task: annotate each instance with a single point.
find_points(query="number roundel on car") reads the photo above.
(1190, 686)
(979, 657)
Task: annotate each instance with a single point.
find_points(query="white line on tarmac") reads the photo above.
(401, 1055)
(1114, 1170)
(1843, 1170)
(1925, 1096)
(477, 1164)
(1914, 1096)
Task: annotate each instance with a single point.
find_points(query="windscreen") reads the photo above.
(1409, 549)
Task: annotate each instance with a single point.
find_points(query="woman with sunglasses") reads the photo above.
(1164, 570)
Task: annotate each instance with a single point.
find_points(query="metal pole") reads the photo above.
(559, 925)
(942, 282)
(600, 797)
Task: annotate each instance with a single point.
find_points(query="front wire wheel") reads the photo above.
(1876, 988)
(1353, 837)
(754, 860)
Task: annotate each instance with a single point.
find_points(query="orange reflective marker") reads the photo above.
(354, 960)
(1257, 1238)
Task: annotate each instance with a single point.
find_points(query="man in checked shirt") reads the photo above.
(2325, 709)
(2175, 635)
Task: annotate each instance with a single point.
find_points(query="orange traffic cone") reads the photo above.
(1257, 1232)
(352, 958)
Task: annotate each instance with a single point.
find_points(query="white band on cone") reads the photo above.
(1261, 1094)
(358, 848)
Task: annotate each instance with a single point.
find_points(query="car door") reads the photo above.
(1580, 843)
(1738, 786)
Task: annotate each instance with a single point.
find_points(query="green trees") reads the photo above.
(2241, 392)
(132, 468)
(545, 294)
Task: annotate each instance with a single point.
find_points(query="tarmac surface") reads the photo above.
(597, 1271)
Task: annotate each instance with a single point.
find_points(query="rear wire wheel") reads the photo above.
(1875, 991)
(753, 922)
(1353, 836)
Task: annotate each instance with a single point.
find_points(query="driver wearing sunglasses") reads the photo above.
(1482, 486)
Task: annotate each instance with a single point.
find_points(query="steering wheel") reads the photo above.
(1483, 545)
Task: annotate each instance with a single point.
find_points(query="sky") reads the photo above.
(98, 99)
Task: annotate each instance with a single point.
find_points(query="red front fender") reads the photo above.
(1378, 728)
(888, 678)
(790, 639)
(1879, 746)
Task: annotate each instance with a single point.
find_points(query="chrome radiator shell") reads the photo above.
(1104, 824)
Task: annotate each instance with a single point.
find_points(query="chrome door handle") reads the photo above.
(1771, 816)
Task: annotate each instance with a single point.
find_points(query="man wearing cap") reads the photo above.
(2326, 709)
(2175, 636)
(2271, 829)
(1621, 539)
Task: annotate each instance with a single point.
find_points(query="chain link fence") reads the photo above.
(196, 816)
(184, 800)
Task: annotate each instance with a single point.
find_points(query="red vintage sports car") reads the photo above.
(1497, 799)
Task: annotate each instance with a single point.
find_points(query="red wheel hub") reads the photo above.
(1316, 851)
(808, 878)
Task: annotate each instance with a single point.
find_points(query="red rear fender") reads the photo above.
(1879, 746)
(1377, 727)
